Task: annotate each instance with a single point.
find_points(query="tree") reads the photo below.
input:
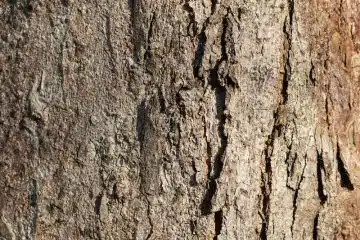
(180, 119)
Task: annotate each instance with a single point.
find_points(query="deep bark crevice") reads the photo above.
(218, 220)
(97, 206)
(192, 22)
(220, 95)
(33, 202)
(312, 74)
(266, 176)
(315, 228)
(148, 54)
(320, 173)
(344, 174)
(287, 29)
(148, 212)
(295, 199)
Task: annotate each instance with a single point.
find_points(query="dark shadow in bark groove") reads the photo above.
(220, 96)
(218, 219)
(33, 202)
(140, 123)
(320, 169)
(97, 204)
(315, 229)
(192, 24)
(199, 54)
(344, 174)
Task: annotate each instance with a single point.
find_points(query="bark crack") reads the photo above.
(33, 202)
(288, 29)
(320, 170)
(344, 174)
(110, 46)
(61, 69)
(220, 95)
(295, 199)
(218, 220)
(312, 74)
(148, 212)
(147, 54)
(192, 24)
(315, 229)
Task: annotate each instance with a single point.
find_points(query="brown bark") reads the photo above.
(180, 119)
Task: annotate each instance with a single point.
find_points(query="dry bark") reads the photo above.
(180, 119)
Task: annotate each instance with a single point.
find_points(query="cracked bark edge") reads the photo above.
(312, 73)
(192, 22)
(266, 175)
(149, 218)
(220, 95)
(34, 209)
(200, 49)
(147, 54)
(320, 172)
(287, 29)
(345, 180)
(315, 228)
(296, 195)
(110, 46)
(218, 220)
(60, 67)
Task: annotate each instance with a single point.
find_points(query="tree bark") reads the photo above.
(180, 119)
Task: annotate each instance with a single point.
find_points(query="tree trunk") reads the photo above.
(180, 119)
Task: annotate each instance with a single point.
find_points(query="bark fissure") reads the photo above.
(218, 220)
(315, 228)
(147, 54)
(312, 74)
(33, 202)
(148, 212)
(295, 199)
(192, 22)
(288, 29)
(266, 179)
(61, 68)
(110, 46)
(320, 172)
(220, 95)
(344, 174)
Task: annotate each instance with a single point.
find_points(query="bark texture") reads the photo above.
(180, 119)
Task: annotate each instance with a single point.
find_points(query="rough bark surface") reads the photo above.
(180, 119)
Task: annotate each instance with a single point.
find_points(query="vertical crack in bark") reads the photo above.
(315, 229)
(288, 29)
(33, 203)
(199, 54)
(266, 176)
(200, 49)
(320, 172)
(344, 174)
(220, 94)
(311, 74)
(296, 195)
(213, 5)
(266, 188)
(147, 54)
(149, 218)
(192, 22)
(208, 150)
(110, 46)
(218, 220)
(327, 111)
(61, 61)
